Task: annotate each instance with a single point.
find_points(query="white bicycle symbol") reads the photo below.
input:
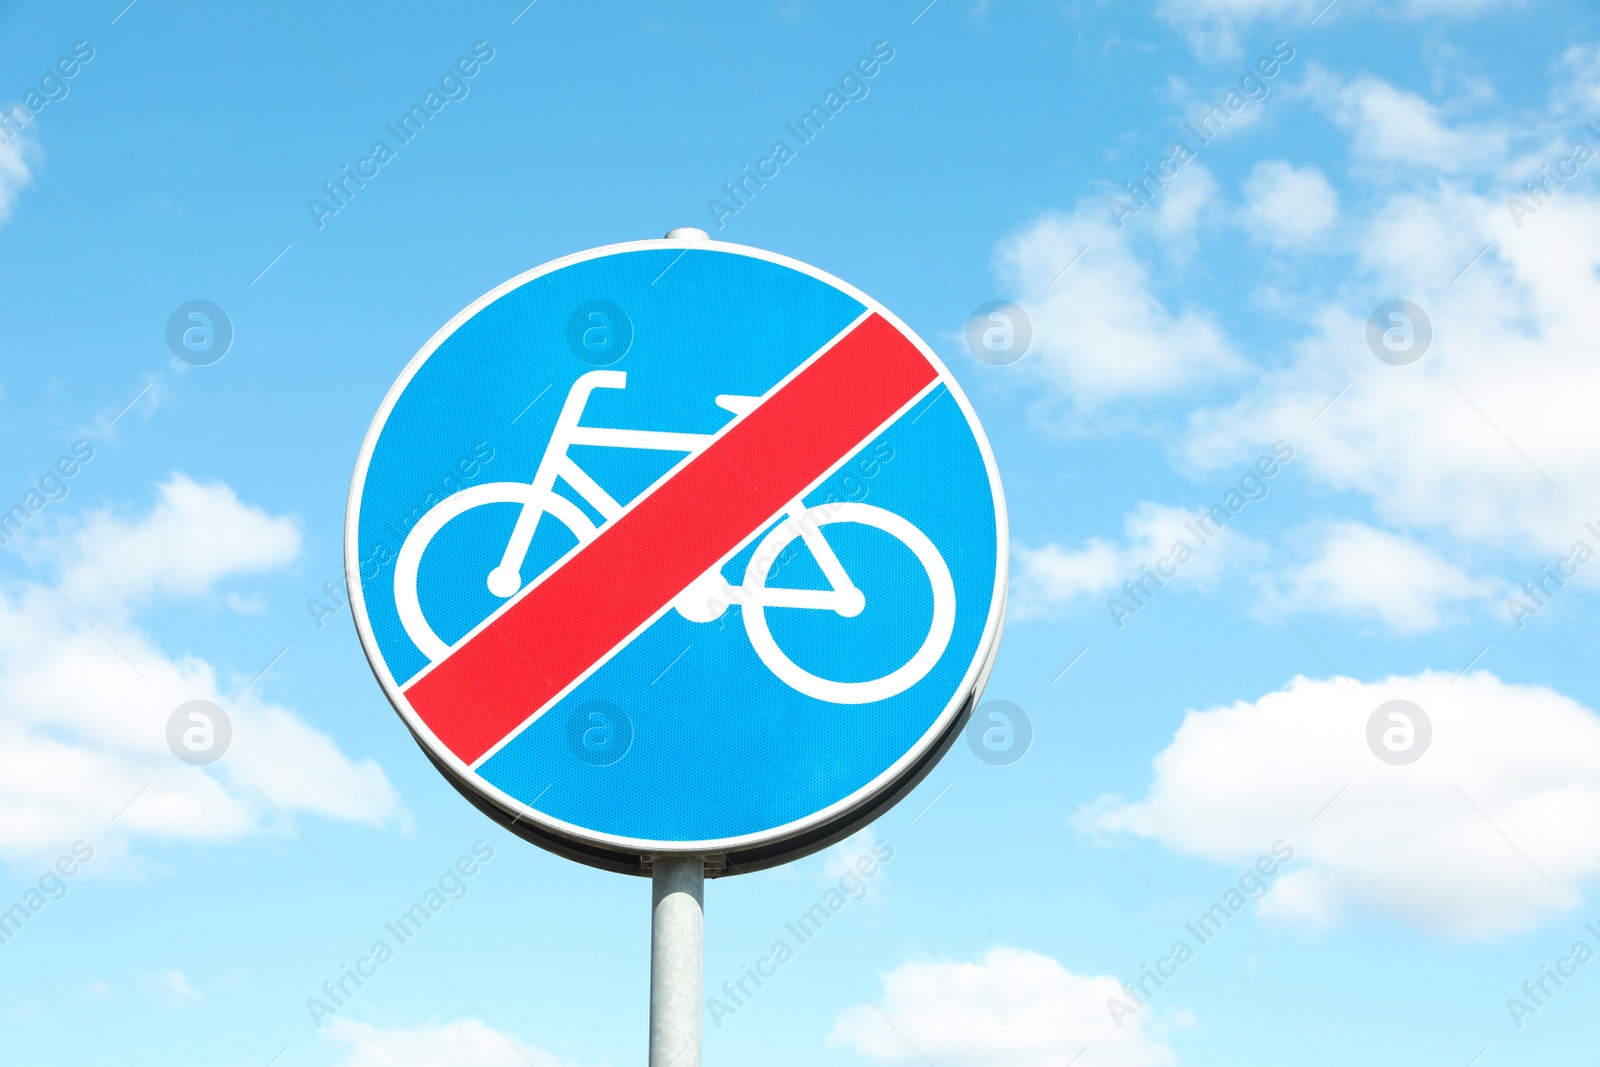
(708, 596)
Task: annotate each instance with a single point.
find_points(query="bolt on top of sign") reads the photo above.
(742, 578)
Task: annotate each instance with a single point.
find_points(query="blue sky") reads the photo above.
(1385, 158)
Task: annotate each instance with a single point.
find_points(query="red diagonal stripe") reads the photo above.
(573, 619)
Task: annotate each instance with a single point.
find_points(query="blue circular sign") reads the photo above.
(678, 547)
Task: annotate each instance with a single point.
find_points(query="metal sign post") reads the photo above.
(677, 929)
(678, 557)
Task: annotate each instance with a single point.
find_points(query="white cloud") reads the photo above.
(1488, 439)
(197, 536)
(1052, 577)
(1287, 203)
(1389, 125)
(849, 858)
(14, 175)
(1181, 204)
(1421, 842)
(1361, 572)
(1214, 26)
(1099, 330)
(1013, 1008)
(1581, 71)
(1464, 439)
(448, 1045)
(85, 699)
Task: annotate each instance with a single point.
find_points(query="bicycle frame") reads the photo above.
(506, 578)
(709, 596)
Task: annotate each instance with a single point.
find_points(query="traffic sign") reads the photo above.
(678, 548)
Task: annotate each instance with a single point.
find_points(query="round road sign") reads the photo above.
(678, 547)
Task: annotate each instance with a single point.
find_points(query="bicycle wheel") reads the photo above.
(896, 681)
(408, 562)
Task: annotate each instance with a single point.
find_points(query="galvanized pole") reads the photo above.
(677, 931)
(677, 926)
